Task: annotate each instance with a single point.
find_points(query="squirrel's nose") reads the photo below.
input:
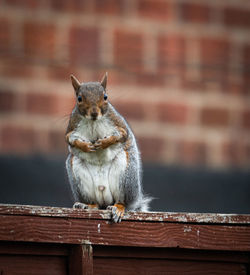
(94, 115)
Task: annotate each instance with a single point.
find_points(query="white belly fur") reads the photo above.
(91, 176)
(101, 168)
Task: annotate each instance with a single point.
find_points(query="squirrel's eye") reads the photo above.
(105, 97)
(79, 98)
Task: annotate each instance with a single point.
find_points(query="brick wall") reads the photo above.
(179, 71)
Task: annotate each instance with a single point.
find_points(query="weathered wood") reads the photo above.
(206, 218)
(49, 240)
(127, 233)
(81, 260)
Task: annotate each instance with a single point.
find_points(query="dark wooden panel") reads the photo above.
(33, 265)
(171, 253)
(205, 218)
(24, 248)
(77, 231)
(156, 266)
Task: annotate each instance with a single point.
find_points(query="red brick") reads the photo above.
(117, 77)
(236, 17)
(214, 51)
(192, 85)
(214, 117)
(32, 4)
(109, 7)
(84, 45)
(176, 113)
(247, 155)
(64, 105)
(234, 87)
(65, 5)
(192, 152)
(155, 9)
(246, 119)
(17, 139)
(246, 68)
(38, 103)
(215, 55)
(4, 34)
(60, 72)
(171, 54)
(6, 101)
(151, 148)
(16, 67)
(131, 110)
(234, 153)
(150, 79)
(57, 144)
(39, 40)
(128, 50)
(195, 13)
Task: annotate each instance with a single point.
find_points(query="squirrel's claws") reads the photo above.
(80, 205)
(91, 147)
(99, 144)
(117, 212)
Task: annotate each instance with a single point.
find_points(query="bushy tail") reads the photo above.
(142, 203)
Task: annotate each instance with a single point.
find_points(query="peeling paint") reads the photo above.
(187, 228)
(85, 242)
(208, 218)
(99, 228)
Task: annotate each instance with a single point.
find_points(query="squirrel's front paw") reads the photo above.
(105, 142)
(86, 147)
(117, 212)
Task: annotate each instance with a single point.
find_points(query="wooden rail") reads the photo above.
(50, 240)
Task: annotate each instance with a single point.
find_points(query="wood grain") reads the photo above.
(127, 233)
(50, 240)
(205, 218)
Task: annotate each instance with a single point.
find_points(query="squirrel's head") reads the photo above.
(91, 97)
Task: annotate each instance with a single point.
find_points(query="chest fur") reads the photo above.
(91, 131)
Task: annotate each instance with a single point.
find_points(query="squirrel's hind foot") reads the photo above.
(117, 212)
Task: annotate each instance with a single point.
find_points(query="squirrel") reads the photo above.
(104, 165)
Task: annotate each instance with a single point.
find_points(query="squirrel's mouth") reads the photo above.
(93, 117)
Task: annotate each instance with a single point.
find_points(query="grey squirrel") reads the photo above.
(104, 166)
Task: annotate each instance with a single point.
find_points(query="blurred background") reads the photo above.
(179, 72)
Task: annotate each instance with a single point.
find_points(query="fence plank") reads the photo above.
(46, 211)
(127, 233)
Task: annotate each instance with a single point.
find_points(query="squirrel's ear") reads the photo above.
(104, 81)
(76, 84)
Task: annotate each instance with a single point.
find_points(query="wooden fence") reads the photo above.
(50, 240)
